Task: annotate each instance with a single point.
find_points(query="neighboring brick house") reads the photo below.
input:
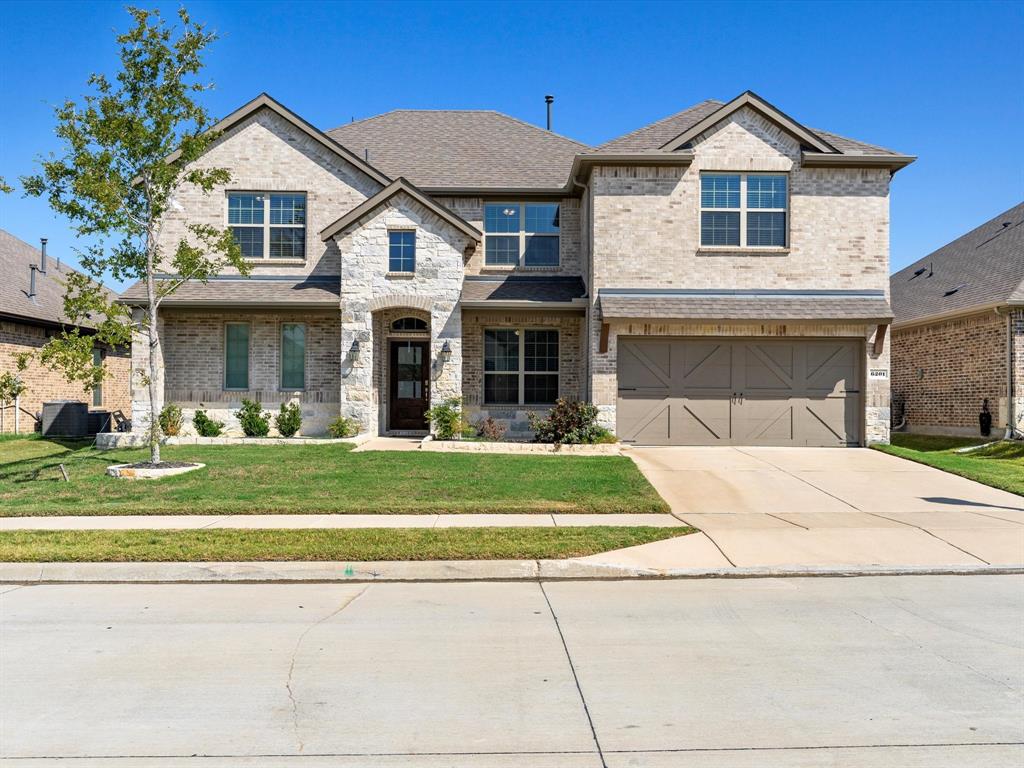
(958, 333)
(27, 319)
(717, 277)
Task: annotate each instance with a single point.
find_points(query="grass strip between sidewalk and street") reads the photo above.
(316, 479)
(1000, 465)
(320, 544)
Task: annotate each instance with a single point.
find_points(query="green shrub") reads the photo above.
(170, 420)
(289, 419)
(490, 429)
(448, 421)
(343, 427)
(571, 422)
(254, 420)
(205, 426)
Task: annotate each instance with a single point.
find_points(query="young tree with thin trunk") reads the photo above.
(126, 149)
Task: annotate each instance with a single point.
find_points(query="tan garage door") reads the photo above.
(739, 392)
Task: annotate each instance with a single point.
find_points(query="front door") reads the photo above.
(409, 387)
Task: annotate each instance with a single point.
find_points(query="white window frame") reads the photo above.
(522, 372)
(743, 210)
(266, 226)
(523, 234)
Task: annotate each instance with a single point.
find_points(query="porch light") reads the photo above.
(353, 351)
(446, 352)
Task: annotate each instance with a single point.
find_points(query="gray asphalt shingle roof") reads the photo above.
(984, 266)
(523, 288)
(461, 149)
(248, 291)
(47, 306)
(860, 306)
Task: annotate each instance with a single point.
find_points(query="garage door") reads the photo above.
(739, 392)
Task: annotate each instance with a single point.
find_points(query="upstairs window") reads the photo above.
(521, 234)
(743, 210)
(268, 225)
(402, 251)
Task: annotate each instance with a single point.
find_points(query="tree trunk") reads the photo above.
(153, 348)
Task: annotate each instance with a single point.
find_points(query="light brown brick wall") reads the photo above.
(570, 241)
(942, 372)
(44, 385)
(266, 154)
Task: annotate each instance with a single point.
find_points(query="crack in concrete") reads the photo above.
(295, 652)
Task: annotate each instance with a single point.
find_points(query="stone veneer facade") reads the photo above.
(943, 371)
(44, 385)
(632, 227)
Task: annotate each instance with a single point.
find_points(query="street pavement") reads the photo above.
(868, 672)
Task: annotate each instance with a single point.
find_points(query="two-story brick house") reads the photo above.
(717, 277)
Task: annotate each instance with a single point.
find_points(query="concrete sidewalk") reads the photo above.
(194, 522)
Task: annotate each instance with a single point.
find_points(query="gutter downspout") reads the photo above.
(1011, 430)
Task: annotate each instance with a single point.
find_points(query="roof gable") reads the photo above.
(980, 269)
(264, 101)
(750, 99)
(394, 188)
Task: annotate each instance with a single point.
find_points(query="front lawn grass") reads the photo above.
(1000, 465)
(256, 479)
(345, 545)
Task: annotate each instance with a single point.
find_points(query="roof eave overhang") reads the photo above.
(953, 314)
(513, 193)
(828, 160)
(883, 320)
(583, 164)
(755, 102)
(219, 304)
(523, 304)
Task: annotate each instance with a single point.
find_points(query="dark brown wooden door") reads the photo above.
(410, 385)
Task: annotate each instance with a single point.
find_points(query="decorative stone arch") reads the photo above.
(401, 301)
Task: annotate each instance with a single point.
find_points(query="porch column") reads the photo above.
(357, 353)
(445, 369)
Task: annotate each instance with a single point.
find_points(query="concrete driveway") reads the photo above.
(823, 507)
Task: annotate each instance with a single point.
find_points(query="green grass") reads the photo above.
(1000, 465)
(316, 479)
(345, 545)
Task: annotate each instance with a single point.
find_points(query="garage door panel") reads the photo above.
(700, 421)
(828, 421)
(705, 365)
(740, 391)
(768, 367)
(645, 365)
(831, 368)
(765, 421)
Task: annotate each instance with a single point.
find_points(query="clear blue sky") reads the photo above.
(944, 81)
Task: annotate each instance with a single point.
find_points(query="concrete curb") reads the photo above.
(434, 571)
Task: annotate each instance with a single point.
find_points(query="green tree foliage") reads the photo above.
(127, 147)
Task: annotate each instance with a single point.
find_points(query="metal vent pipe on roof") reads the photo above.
(42, 259)
(548, 100)
(32, 268)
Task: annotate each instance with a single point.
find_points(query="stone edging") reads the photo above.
(128, 472)
(434, 571)
(106, 441)
(543, 449)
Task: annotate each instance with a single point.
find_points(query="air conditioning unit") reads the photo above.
(65, 418)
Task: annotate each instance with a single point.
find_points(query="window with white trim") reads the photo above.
(520, 366)
(521, 234)
(743, 210)
(268, 225)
